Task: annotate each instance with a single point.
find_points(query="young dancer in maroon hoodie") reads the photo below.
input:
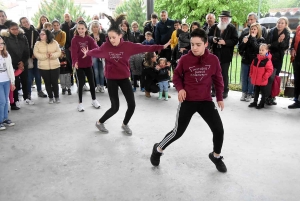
(116, 53)
(192, 78)
(83, 63)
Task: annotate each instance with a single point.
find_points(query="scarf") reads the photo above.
(55, 33)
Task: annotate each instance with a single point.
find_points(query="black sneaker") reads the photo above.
(155, 156)
(254, 104)
(69, 92)
(218, 162)
(260, 105)
(295, 105)
(225, 95)
(63, 91)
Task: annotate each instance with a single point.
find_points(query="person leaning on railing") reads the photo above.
(295, 57)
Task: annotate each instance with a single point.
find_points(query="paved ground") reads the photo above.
(56, 153)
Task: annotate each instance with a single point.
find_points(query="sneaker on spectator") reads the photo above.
(57, 100)
(243, 98)
(80, 107)
(218, 162)
(85, 88)
(51, 101)
(102, 90)
(42, 94)
(96, 104)
(18, 104)
(143, 89)
(155, 156)
(248, 98)
(101, 127)
(69, 92)
(2, 127)
(29, 102)
(97, 89)
(8, 123)
(127, 129)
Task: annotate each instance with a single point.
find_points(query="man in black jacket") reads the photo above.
(223, 37)
(163, 33)
(33, 72)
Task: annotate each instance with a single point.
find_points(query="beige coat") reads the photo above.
(41, 48)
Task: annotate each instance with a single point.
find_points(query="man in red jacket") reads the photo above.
(192, 78)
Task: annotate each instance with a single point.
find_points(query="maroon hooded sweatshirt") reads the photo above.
(117, 57)
(195, 75)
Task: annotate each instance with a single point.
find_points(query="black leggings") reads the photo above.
(113, 87)
(207, 111)
(262, 90)
(81, 73)
(21, 79)
(51, 81)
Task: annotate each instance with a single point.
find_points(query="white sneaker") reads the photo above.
(102, 90)
(97, 89)
(20, 92)
(80, 107)
(248, 98)
(86, 88)
(18, 104)
(243, 98)
(96, 104)
(29, 102)
(51, 101)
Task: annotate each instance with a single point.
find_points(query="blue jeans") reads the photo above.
(4, 94)
(247, 87)
(98, 71)
(34, 73)
(163, 86)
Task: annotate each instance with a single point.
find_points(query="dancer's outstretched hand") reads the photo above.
(167, 44)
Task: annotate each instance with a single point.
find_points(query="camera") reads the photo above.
(218, 39)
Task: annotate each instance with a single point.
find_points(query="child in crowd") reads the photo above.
(163, 68)
(83, 63)
(193, 77)
(149, 39)
(65, 74)
(7, 82)
(47, 25)
(260, 71)
(136, 66)
(183, 39)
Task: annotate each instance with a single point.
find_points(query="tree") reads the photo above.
(196, 10)
(2, 7)
(284, 3)
(55, 9)
(134, 9)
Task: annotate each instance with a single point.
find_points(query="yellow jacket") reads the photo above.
(40, 50)
(174, 39)
(61, 38)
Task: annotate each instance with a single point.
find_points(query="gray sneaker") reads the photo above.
(127, 129)
(101, 127)
(57, 100)
(51, 101)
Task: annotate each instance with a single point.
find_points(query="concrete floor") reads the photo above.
(56, 153)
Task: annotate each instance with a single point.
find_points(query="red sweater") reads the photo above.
(117, 57)
(195, 74)
(77, 44)
(261, 69)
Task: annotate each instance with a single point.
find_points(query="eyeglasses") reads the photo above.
(2, 44)
(15, 29)
(42, 34)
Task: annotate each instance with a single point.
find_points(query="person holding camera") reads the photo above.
(223, 37)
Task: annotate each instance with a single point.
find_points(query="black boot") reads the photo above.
(260, 105)
(254, 104)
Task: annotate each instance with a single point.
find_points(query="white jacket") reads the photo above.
(10, 69)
